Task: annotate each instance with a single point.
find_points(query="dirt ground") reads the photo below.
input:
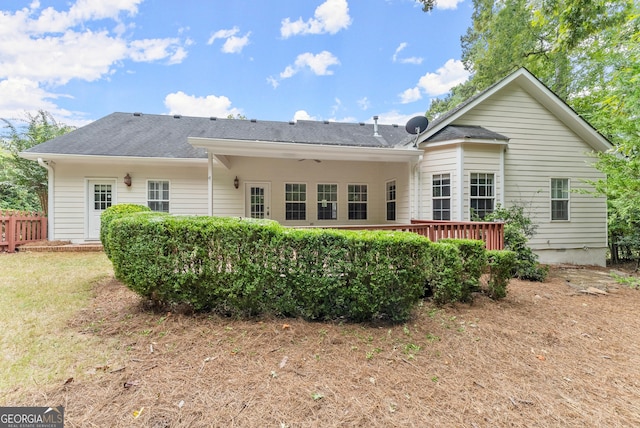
(560, 353)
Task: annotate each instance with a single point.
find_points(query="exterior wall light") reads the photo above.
(236, 182)
(127, 180)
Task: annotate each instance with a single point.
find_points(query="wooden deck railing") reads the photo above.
(492, 233)
(17, 227)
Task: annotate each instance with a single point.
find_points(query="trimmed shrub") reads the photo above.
(444, 282)
(473, 257)
(112, 213)
(246, 267)
(501, 265)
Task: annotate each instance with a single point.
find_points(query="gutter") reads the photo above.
(50, 194)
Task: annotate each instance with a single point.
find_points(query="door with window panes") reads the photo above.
(101, 194)
(257, 200)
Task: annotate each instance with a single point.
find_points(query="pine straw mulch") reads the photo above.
(548, 355)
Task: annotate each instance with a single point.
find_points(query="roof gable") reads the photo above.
(536, 89)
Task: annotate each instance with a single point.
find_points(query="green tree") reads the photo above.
(562, 42)
(23, 175)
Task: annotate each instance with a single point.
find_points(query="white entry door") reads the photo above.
(101, 195)
(257, 200)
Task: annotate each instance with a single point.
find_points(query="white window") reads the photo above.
(327, 201)
(357, 201)
(391, 200)
(158, 195)
(441, 196)
(559, 199)
(295, 195)
(482, 194)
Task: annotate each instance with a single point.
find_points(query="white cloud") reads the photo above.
(452, 73)
(48, 48)
(410, 95)
(330, 17)
(222, 34)
(448, 4)
(149, 50)
(364, 103)
(302, 115)
(273, 82)
(319, 64)
(406, 60)
(191, 105)
(232, 43)
(395, 118)
(235, 44)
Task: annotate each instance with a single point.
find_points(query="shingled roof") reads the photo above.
(165, 136)
(455, 132)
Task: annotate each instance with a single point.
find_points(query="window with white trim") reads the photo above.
(391, 200)
(327, 201)
(357, 201)
(295, 195)
(559, 199)
(441, 196)
(158, 195)
(482, 190)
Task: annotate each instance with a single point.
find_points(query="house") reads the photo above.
(515, 143)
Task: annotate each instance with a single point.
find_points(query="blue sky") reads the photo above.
(339, 60)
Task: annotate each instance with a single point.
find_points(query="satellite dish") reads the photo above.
(417, 125)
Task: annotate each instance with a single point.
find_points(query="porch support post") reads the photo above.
(460, 181)
(501, 198)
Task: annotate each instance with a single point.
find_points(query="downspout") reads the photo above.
(50, 198)
(210, 183)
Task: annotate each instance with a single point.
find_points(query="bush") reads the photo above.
(518, 229)
(445, 282)
(113, 212)
(473, 257)
(246, 267)
(501, 264)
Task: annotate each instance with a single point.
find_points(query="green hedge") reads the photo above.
(473, 257)
(114, 212)
(244, 267)
(501, 265)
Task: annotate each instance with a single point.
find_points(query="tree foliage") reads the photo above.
(562, 42)
(24, 180)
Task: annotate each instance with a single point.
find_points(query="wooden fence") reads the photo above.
(492, 233)
(17, 227)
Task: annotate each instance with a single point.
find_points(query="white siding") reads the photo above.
(228, 201)
(188, 192)
(442, 160)
(541, 147)
(480, 158)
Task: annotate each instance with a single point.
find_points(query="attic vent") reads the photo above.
(253, 120)
(326, 122)
(137, 113)
(361, 124)
(395, 125)
(176, 116)
(213, 118)
(291, 122)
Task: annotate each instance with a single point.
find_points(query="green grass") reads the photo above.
(39, 294)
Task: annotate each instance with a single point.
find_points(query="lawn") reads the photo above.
(548, 355)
